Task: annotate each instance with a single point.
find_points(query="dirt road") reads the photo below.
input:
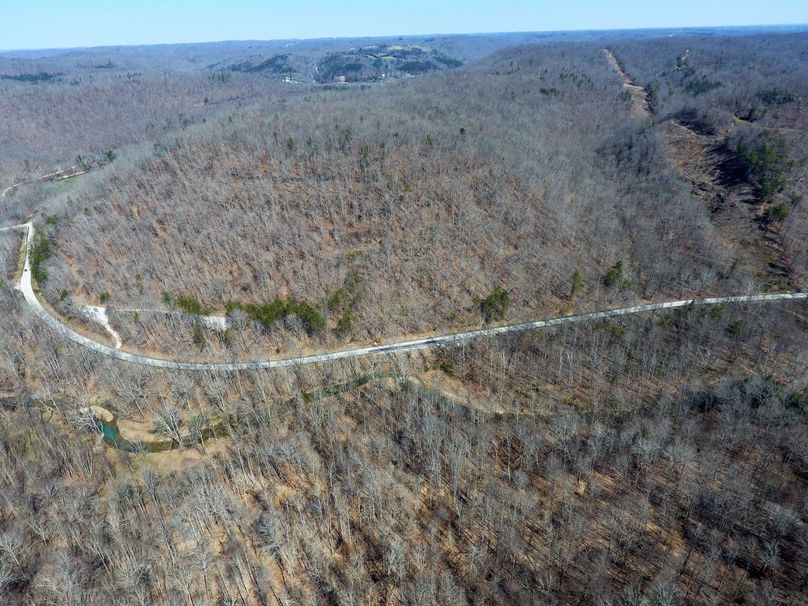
(639, 99)
(56, 324)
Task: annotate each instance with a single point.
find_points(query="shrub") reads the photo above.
(716, 311)
(337, 300)
(777, 213)
(614, 275)
(577, 283)
(445, 365)
(765, 159)
(736, 327)
(278, 309)
(104, 298)
(189, 305)
(652, 95)
(267, 313)
(41, 249)
(343, 300)
(226, 337)
(345, 324)
(199, 335)
(616, 330)
(348, 295)
(797, 401)
(313, 320)
(495, 305)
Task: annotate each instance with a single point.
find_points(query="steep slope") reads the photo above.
(397, 210)
(735, 116)
(707, 157)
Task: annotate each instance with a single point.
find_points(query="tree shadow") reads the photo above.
(730, 167)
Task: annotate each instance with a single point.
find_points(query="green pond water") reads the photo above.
(112, 437)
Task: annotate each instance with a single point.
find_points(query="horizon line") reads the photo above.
(410, 35)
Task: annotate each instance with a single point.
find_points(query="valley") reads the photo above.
(441, 319)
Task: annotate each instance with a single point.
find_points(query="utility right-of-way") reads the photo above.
(639, 99)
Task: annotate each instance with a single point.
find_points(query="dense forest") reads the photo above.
(227, 204)
(658, 459)
(410, 194)
(744, 105)
(56, 105)
(401, 209)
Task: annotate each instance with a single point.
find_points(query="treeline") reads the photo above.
(32, 78)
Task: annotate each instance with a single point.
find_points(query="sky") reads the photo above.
(37, 24)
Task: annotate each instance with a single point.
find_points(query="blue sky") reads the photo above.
(28, 24)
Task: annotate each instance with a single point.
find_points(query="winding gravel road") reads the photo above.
(26, 287)
(65, 172)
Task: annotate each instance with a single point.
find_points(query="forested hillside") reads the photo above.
(659, 459)
(227, 206)
(57, 104)
(734, 113)
(401, 209)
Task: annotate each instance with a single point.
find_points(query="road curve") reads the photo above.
(58, 173)
(26, 287)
